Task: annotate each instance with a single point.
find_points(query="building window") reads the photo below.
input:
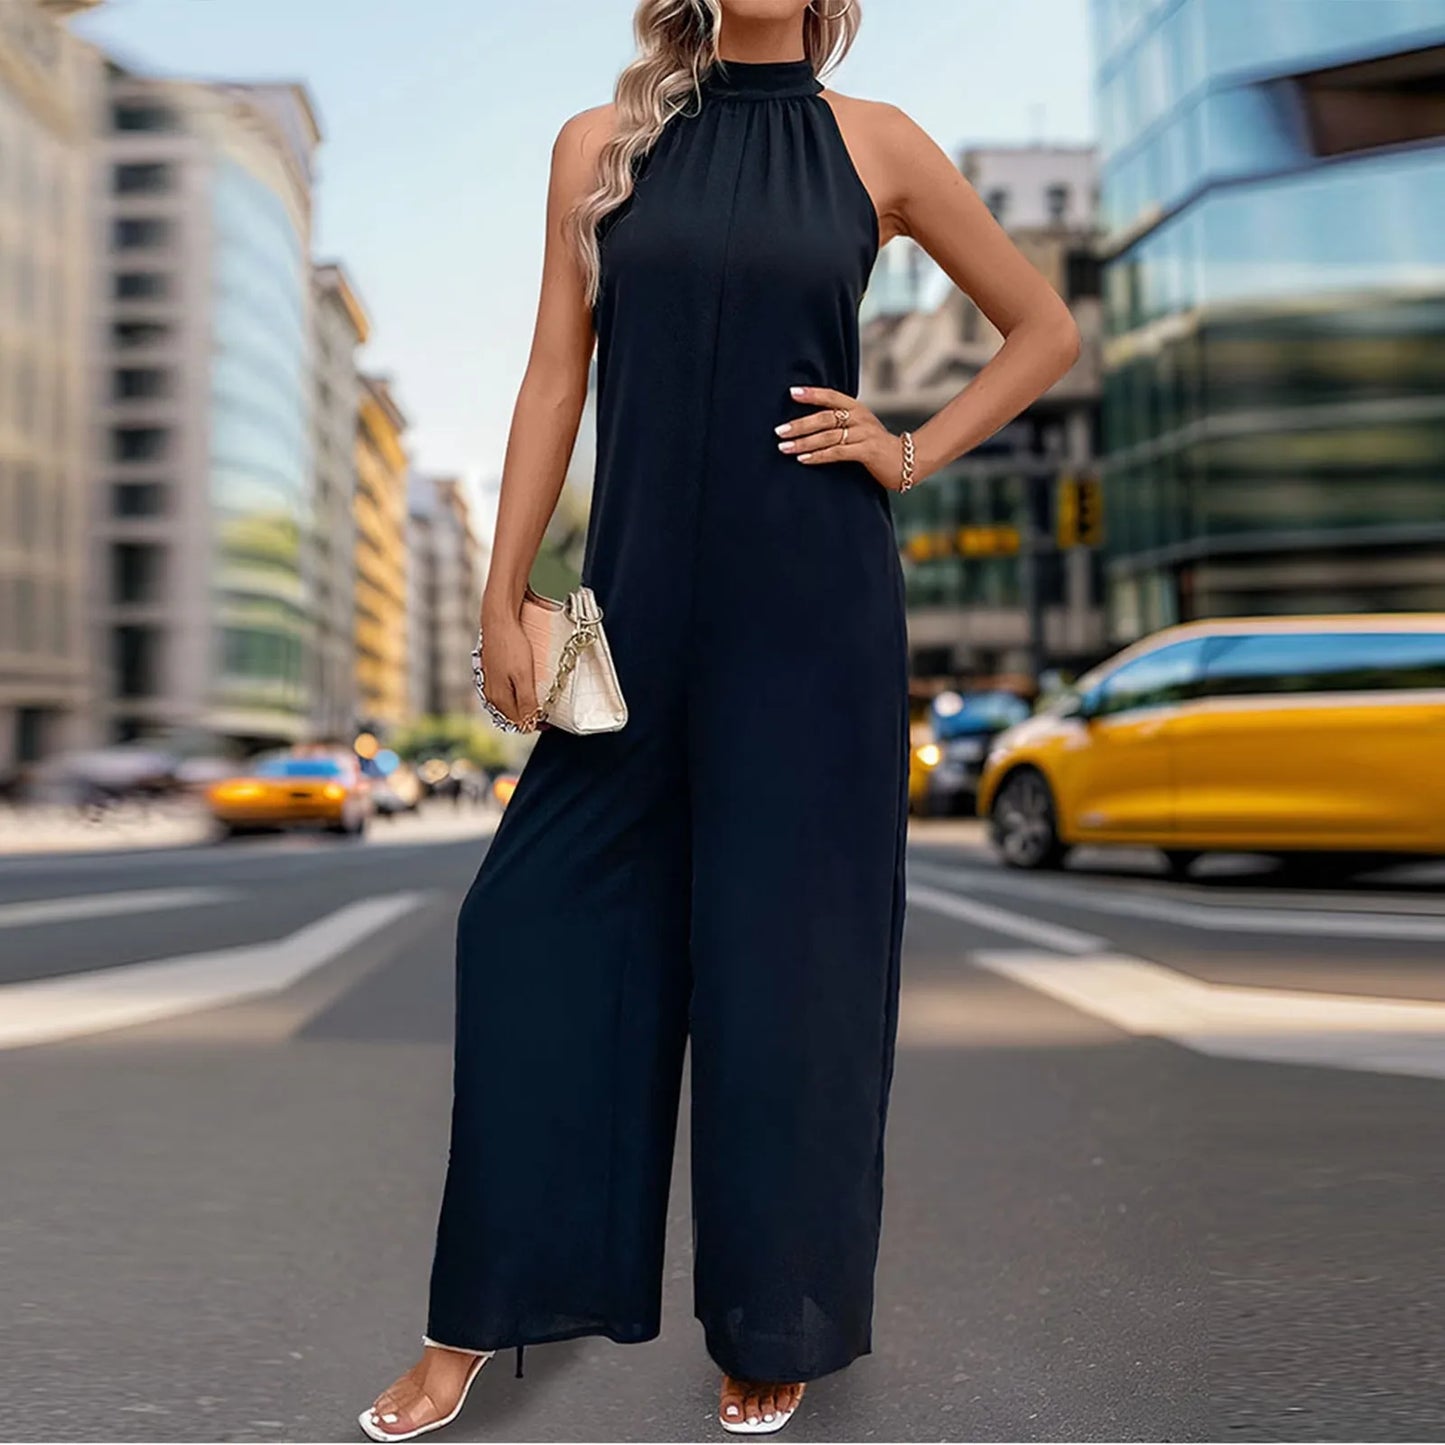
(1056, 199)
(133, 233)
(31, 726)
(136, 656)
(26, 632)
(140, 383)
(26, 396)
(142, 178)
(138, 499)
(128, 334)
(1390, 100)
(997, 202)
(147, 115)
(1083, 276)
(27, 506)
(140, 285)
(135, 572)
(139, 443)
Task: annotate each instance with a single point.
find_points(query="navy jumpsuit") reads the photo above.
(728, 868)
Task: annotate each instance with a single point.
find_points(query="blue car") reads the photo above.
(946, 771)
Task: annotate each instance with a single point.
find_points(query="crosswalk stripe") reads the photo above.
(1000, 920)
(1284, 1026)
(74, 1005)
(107, 905)
(1205, 917)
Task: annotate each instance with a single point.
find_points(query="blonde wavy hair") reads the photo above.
(677, 45)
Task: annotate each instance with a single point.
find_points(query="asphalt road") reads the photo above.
(1164, 1159)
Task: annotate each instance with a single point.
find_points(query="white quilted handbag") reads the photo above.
(576, 680)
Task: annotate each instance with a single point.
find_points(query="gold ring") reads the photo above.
(841, 416)
(844, 442)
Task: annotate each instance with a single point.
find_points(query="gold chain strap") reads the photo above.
(582, 637)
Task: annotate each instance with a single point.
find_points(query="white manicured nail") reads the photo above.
(783, 430)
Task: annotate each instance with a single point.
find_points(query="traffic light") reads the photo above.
(1066, 513)
(1090, 511)
(1079, 515)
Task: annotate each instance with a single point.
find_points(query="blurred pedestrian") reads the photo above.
(712, 232)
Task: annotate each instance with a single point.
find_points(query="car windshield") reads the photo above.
(299, 768)
(979, 712)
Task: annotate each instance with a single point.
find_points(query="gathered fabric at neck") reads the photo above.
(761, 80)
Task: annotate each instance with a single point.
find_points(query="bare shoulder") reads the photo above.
(893, 155)
(876, 121)
(585, 133)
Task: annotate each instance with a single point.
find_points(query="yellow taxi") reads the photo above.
(292, 790)
(1278, 735)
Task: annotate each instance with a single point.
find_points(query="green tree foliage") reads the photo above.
(455, 736)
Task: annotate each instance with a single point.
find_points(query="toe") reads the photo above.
(391, 1420)
(752, 1406)
(767, 1406)
(730, 1407)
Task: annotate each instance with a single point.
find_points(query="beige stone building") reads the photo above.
(382, 685)
(49, 99)
(446, 564)
(340, 326)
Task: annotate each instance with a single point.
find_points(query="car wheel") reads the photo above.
(1180, 860)
(1024, 822)
(350, 826)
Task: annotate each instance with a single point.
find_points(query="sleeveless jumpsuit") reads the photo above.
(728, 868)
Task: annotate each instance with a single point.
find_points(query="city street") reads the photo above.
(1164, 1159)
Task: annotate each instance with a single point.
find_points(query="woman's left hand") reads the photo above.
(845, 432)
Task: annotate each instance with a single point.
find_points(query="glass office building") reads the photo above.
(260, 446)
(207, 478)
(1274, 211)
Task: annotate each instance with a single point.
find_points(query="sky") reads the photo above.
(439, 117)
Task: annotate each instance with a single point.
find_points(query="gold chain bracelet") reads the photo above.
(908, 477)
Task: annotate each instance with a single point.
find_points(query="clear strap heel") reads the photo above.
(373, 1424)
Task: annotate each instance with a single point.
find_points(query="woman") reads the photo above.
(699, 875)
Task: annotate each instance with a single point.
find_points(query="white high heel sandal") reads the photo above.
(371, 1423)
(764, 1426)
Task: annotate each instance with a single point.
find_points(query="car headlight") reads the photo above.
(236, 792)
(930, 755)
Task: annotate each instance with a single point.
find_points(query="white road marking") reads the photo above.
(1375, 1035)
(1000, 920)
(106, 905)
(46, 1010)
(1205, 917)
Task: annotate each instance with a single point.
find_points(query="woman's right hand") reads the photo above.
(510, 685)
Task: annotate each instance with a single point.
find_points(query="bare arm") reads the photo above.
(920, 193)
(544, 421)
(937, 207)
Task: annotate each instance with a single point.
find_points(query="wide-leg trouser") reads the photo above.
(686, 877)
